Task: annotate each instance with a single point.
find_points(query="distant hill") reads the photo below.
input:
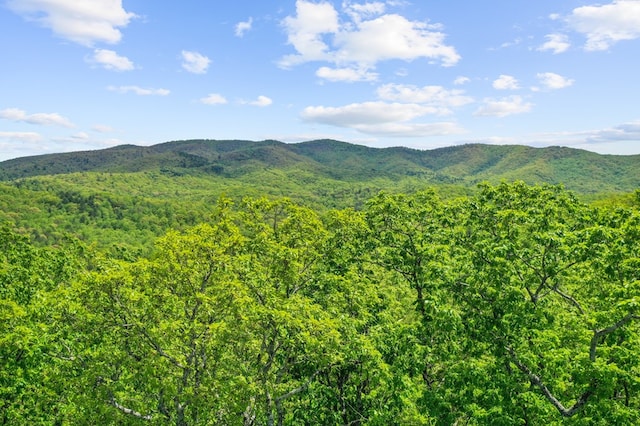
(464, 165)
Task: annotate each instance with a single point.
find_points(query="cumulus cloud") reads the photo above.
(213, 99)
(397, 112)
(82, 22)
(45, 119)
(360, 11)
(305, 32)
(317, 33)
(503, 107)
(27, 137)
(605, 25)
(556, 43)
(346, 74)
(381, 118)
(620, 139)
(506, 82)
(552, 80)
(195, 62)
(111, 60)
(411, 129)
(623, 132)
(139, 90)
(366, 113)
(436, 96)
(243, 27)
(461, 80)
(262, 101)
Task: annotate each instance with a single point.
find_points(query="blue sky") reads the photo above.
(91, 74)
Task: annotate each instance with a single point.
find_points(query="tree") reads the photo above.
(33, 356)
(546, 293)
(169, 330)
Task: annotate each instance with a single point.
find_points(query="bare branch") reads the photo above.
(129, 411)
(569, 299)
(159, 349)
(535, 380)
(299, 389)
(597, 334)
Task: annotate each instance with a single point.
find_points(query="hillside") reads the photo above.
(466, 165)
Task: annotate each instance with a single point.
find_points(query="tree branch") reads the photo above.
(569, 299)
(129, 411)
(299, 389)
(597, 334)
(537, 381)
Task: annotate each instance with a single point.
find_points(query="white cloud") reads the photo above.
(28, 137)
(80, 136)
(380, 118)
(552, 80)
(13, 114)
(195, 62)
(46, 119)
(411, 129)
(393, 37)
(506, 82)
(461, 80)
(262, 101)
(394, 113)
(305, 30)
(623, 132)
(556, 43)
(102, 128)
(243, 27)
(83, 22)
(503, 107)
(317, 34)
(508, 44)
(358, 11)
(436, 96)
(213, 99)
(366, 113)
(346, 74)
(111, 60)
(605, 25)
(139, 90)
(622, 139)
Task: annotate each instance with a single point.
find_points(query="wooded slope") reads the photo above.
(464, 165)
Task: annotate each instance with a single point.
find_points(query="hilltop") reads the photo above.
(464, 165)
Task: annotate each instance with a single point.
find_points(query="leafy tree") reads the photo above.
(544, 295)
(32, 357)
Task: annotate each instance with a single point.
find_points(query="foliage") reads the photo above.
(341, 163)
(515, 304)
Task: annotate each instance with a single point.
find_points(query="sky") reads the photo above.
(90, 74)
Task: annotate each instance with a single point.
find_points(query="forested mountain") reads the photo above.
(464, 165)
(320, 283)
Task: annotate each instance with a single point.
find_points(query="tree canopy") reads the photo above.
(515, 305)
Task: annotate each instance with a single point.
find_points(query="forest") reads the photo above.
(133, 299)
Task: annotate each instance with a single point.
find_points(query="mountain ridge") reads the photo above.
(467, 165)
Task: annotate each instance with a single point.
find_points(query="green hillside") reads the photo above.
(262, 283)
(466, 165)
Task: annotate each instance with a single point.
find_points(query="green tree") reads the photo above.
(169, 330)
(549, 305)
(33, 354)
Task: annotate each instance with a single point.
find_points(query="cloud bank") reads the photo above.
(356, 41)
(83, 22)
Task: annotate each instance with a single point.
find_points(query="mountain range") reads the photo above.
(463, 165)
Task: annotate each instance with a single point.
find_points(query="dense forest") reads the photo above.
(148, 297)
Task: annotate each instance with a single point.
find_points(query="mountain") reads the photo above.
(464, 165)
